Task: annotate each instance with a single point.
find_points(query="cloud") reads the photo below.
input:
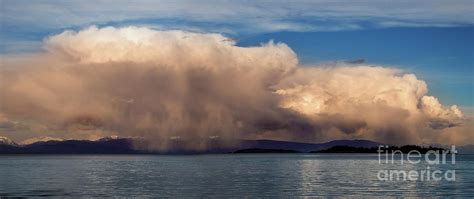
(135, 81)
(283, 15)
(382, 102)
(440, 116)
(27, 22)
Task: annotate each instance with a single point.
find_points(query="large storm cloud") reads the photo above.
(165, 84)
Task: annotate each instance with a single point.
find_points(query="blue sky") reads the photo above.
(433, 39)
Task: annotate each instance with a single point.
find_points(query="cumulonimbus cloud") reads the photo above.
(136, 81)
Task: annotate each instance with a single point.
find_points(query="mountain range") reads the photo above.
(118, 145)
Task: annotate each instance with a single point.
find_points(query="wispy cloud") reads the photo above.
(234, 17)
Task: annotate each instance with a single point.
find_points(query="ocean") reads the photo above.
(226, 175)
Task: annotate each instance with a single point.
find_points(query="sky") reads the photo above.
(432, 39)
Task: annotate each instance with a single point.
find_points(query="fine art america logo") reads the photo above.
(431, 172)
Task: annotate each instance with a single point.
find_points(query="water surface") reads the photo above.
(227, 175)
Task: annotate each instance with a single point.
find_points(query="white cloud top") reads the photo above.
(159, 84)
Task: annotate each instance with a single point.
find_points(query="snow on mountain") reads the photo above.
(6, 141)
(112, 137)
(40, 139)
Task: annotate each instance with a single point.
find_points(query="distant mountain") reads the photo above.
(7, 145)
(305, 147)
(118, 145)
(7, 141)
(107, 146)
(40, 139)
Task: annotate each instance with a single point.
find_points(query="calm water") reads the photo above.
(254, 175)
